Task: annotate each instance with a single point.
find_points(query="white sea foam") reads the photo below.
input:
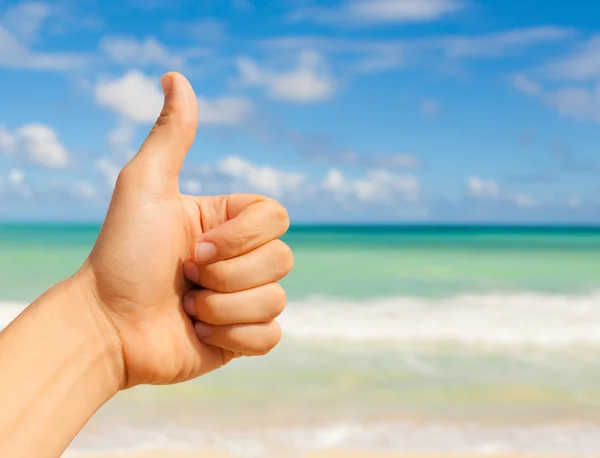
(9, 311)
(519, 319)
(546, 320)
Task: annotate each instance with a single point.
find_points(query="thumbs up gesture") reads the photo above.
(185, 283)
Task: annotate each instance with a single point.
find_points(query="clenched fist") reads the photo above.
(185, 283)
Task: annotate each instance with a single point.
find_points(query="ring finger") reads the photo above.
(247, 339)
(256, 305)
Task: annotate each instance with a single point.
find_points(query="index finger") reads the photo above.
(257, 224)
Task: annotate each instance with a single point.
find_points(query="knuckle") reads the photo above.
(269, 338)
(282, 260)
(235, 337)
(219, 277)
(279, 216)
(173, 117)
(252, 228)
(240, 241)
(210, 308)
(127, 174)
(187, 125)
(164, 123)
(237, 243)
(278, 301)
(165, 118)
(138, 173)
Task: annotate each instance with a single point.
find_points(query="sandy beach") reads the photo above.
(320, 454)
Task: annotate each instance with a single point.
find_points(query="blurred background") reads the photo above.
(440, 164)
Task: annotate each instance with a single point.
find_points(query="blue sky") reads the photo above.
(346, 111)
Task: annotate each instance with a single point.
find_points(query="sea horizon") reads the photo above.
(351, 224)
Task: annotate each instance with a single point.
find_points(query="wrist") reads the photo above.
(62, 355)
(99, 325)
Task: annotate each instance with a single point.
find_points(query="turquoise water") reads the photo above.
(361, 263)
(471, 331)
(356, 262)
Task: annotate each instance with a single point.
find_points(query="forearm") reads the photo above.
(57, 367)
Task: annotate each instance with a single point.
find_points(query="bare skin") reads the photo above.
(133, 314)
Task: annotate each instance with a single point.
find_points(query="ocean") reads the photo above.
(409, 339)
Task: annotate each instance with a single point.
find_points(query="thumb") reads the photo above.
(164, 151)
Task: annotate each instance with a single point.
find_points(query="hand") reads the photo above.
(152, 234)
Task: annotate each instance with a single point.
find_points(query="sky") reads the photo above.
(359, 111)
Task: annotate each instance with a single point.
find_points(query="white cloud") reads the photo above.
(25, 20)
(525, 201)
(20, 26)
(83, 190)
(401, 10)
(575, 102)
(40, 144)
(264, 179)
(205, 29)
(382, 185)
(138, 99)
(319, 148)
(310, 81)
(16, 54)
(224, 110)
(373, 12)
(429, 107)
(583, 65)
(130, 51)
(482, 188)
(120, 139)
(35, 143)
(334, 180)
(501, 43)
(574, 89)
(383, 55)
(134, 96)
(16, 178)
(192, 187)
(488, 191)
(378, 186)
(574, 201)
(6, 141)
(526, 85)
(109, 170)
